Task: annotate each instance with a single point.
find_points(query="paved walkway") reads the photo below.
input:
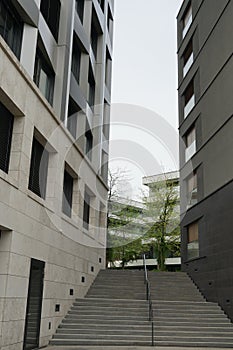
(124, 348)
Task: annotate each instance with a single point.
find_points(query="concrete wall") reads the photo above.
(32, 227)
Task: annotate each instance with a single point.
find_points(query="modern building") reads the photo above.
(129, 221)
(162, 182)
(205, 65)
(55, 88)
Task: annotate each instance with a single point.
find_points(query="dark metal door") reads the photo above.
(34, 303)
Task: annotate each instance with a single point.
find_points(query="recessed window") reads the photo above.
(188, 57)
(6, 128)
(189, 99)
(89, 143)
(11, 27)
(79, 6)
(57, 307)
(192, 189)
(101, 2)
(104, 166)
(94, 39)
(102, 216)
(73, 110)
(86, 210)
(106, 113)
(190, 143)
(44, 76)
(109, 20)
(91, 88)
(38, 169)
(76, 60)
(108, 65)
(187, 20)
(193, 241)
(50, 10)
(67, 193)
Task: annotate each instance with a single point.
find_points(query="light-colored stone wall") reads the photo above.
(35, 228)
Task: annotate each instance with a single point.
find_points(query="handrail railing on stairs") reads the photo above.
(148, 298)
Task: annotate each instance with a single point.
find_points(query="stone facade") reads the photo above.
(32, 227)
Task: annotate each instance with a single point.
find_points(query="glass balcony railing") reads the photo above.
(189, 106)
(190, 151)
(187, 25)
(188, 65)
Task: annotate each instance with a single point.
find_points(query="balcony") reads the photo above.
(188, 22)
(189, 106)
(192, 198)
(188, 65)
(190, 151)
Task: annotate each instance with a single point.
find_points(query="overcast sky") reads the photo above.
(145, 75)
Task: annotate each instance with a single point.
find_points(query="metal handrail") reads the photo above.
(148, 298)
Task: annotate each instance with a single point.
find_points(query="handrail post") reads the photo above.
(148, 298)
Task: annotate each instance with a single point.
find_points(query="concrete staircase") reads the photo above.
(114, 312)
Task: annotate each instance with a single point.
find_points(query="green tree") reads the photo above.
(162, 220)
(123, 237)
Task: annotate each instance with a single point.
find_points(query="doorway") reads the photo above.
(34, 303)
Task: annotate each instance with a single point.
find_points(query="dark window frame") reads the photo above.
(6, 132)
(92, 88)
(67, 197)
(193, 248)
(76, 60)
(11, 20)
(38, 169)
(89, 143)
(73, 109)
(41, 64)
(86, 210)
(79, 7)
(51, 10)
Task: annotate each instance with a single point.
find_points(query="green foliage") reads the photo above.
(162, 221)
(124, 241)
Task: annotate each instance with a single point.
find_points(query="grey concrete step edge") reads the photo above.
(135, 310)
(156, 306)
(144, 313)
(105, 326)
(182, 342)
(107, 317)
(118, 300)
(169, 332)
(144, 301)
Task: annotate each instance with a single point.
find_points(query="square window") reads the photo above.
(6, 128)
(38, 169)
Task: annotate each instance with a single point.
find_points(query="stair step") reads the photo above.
(115, 312)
